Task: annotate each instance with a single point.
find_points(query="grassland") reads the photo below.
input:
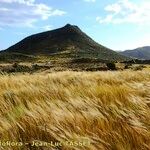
(90, 110)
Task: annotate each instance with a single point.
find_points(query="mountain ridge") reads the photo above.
(68, 41)
(138, 53)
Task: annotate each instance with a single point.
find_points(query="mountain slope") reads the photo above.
(68, 41)
(139, 53)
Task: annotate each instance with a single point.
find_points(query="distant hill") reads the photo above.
(68, 42)
(139, 53)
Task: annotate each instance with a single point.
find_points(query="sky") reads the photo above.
(116, 24)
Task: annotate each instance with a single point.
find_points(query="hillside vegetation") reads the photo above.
(99, 110)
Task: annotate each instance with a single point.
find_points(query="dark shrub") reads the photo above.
(127, 66)
(15, 65)
(15, 68)
(139, 67)
(36, 67)
(111, 66)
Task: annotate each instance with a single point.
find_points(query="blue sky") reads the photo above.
(116, 24)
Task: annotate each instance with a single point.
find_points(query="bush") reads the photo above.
(15, 65)
(128, 66)
(140, 67)
(36, 67)
(15, 68)
(111, 66)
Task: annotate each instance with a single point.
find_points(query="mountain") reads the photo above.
(68, 42)
(139, 53)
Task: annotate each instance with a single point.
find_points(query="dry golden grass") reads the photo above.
(111, 110)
